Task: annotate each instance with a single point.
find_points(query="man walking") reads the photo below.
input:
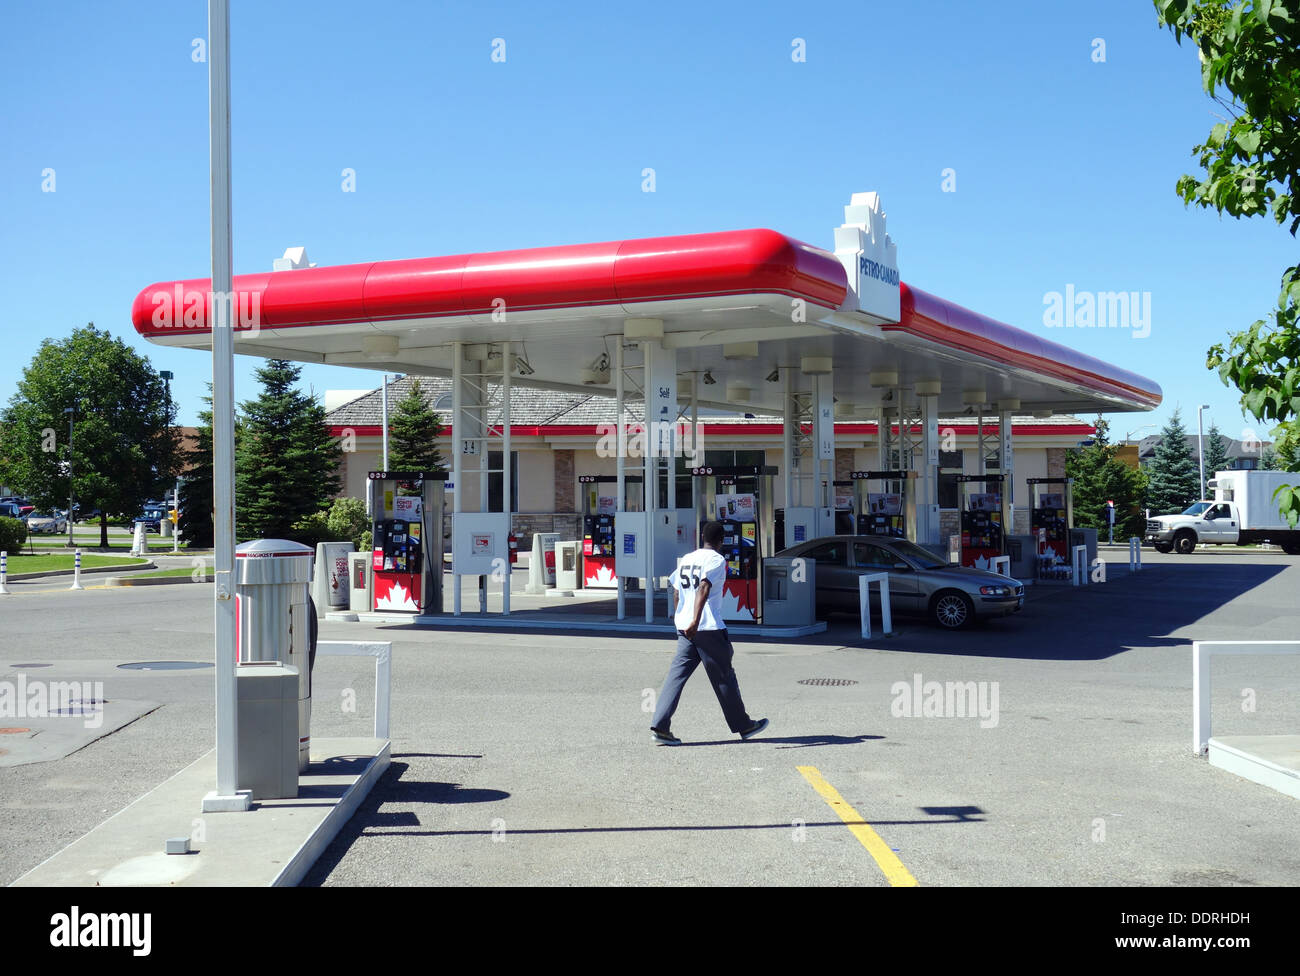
(702, 638)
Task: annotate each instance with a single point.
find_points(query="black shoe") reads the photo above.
(666, 738)
(754, 729)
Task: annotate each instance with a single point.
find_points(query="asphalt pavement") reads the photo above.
(525, 758)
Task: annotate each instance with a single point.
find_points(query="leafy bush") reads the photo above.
(13, 533)
(348, 521)
(312, 529)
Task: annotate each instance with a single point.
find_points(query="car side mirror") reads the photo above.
(902, 567)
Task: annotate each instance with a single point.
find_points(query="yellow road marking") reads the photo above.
(897, 875)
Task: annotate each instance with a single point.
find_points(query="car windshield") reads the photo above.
(1197, 508)
(926, 560)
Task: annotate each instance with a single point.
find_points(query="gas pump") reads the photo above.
(747, 531)
(884, 503)
(984, 516)
(1051, 517)
(599, 505)
(406, 540)
(846, 518)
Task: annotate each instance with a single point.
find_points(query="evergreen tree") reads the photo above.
(1173, 476)
(286, 463)
(1100, 476)
(1215, 452)
(195, 528)
(1268, 462)
(412, 433)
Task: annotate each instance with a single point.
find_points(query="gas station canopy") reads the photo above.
(736, 306)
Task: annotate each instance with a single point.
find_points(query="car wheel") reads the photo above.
(1185, 542)
(952, 610)
(1162, 546)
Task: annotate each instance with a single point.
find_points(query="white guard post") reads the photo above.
(1201, 653)
(76, 572)
(1004, 562)
(382, 652)
(4, 572)
(864, 603)
(1134, 553)
(1079, 565)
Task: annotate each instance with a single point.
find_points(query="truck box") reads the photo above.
(1252, 492)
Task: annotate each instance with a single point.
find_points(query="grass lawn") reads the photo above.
(45, 564)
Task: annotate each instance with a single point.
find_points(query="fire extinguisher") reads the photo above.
(514, 548)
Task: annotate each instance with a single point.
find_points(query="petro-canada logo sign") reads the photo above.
(870, 258)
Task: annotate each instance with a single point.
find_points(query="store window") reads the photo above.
(950, 465)
(494, 481)
(717, 459)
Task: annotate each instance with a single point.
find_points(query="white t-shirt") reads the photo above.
(692, 570)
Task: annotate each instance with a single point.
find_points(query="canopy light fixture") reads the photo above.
(928, 388)
(379, 347)
(816, 365)
(739, 393)
(643, 328)
(740, 350)
(1009, 403)
(884, 378)
(974, 398)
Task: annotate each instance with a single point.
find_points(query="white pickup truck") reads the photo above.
(1242, 512)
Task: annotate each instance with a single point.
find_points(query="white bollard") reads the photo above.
(1079, 566)
(140, 541)
(76, 572)
(864, 603)
(1134, 553)
(4, 572)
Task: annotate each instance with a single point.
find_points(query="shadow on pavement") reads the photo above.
(796, 741)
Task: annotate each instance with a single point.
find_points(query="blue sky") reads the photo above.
(1065, 167)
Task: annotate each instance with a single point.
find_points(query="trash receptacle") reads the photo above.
(275, 619)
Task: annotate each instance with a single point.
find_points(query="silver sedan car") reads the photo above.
(46, 522)
(920, 583)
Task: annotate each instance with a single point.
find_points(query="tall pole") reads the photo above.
(70, 411)
(383, 398)
(1200, 447)
(226, 797)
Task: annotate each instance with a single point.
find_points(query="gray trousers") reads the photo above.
(712, 648)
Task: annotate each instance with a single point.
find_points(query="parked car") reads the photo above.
(920, 583)
(43, 522)
(152, 519)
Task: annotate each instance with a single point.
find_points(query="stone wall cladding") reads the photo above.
(1056, 462)
(564, 480)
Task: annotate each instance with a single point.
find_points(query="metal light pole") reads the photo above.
(226, 797)
(1200, 447)
(70, 411)
(383, 399)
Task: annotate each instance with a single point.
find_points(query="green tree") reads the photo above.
(1101, 476)
(1250, 50)
(412, 433)
(286, 463)
(1215, 452)
(124, 447)
(196, 490)
(1173, 478)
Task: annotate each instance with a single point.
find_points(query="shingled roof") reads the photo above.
(530, 406)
